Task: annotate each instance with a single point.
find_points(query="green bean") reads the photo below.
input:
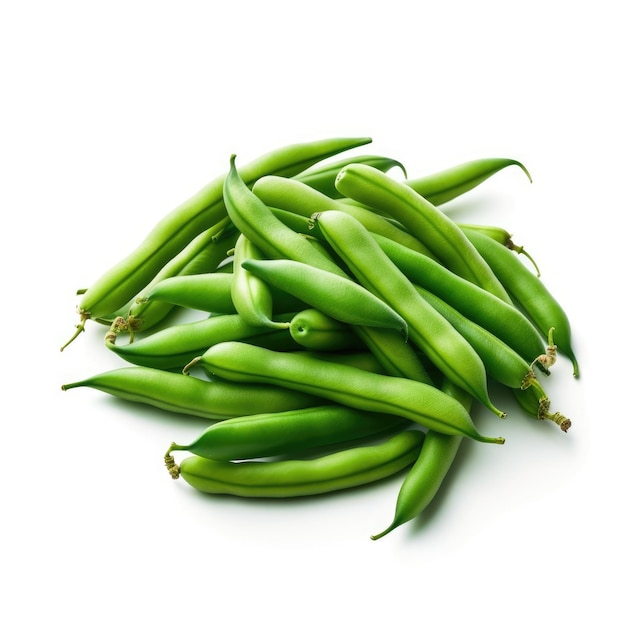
(211, 292)
(174, 346)
(503, 237)
(425, 478)
(315, 330)
(442, 344)
(530, 292)
(287, 194)
(251, 295)
(256, 221)
(322, 177)
(437, 231)
(452, 182)
(342, 384)
(502, 319)
(287, 432)
(339, 297)
(187, 395)
(174, 231)
(343, 469)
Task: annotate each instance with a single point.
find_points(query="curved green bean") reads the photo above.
(530, 292)
(343, 469)
(287, 432)
(339, 297)
(452, 182)
(187, 395)
(425, 478)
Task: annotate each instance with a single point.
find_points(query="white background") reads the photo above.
(114, 113)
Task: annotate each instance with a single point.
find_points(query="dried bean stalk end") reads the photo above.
(548, 359)
(171, 465)
(559, 419)
(122, 325)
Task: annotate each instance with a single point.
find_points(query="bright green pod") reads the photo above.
(187, 395)
(251, 295)
(212, 292)
(287, 432)
(347, 468)
(342, 384)
(452, 182)
(503, 237)
(424, 479)
(209, 292)
(341, 298)
(529, 292)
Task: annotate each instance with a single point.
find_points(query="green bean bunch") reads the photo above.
(344, 329)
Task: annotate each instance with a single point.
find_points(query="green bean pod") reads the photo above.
(437, 231)
(187, 395)
(290, 195)
(342, 384)
(502, 319)
(339, 297)
(503, 237)
(251, 295)
(442, 344)
(530, 292)
(211, 292)
(255, 220)
(452, 182)
(322, 177)
(315, 330)
(287, 432)
(350, 467)
(174, 346)
(174, 231)
(425, 478)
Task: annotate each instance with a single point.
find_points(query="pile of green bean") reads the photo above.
(345, 325)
